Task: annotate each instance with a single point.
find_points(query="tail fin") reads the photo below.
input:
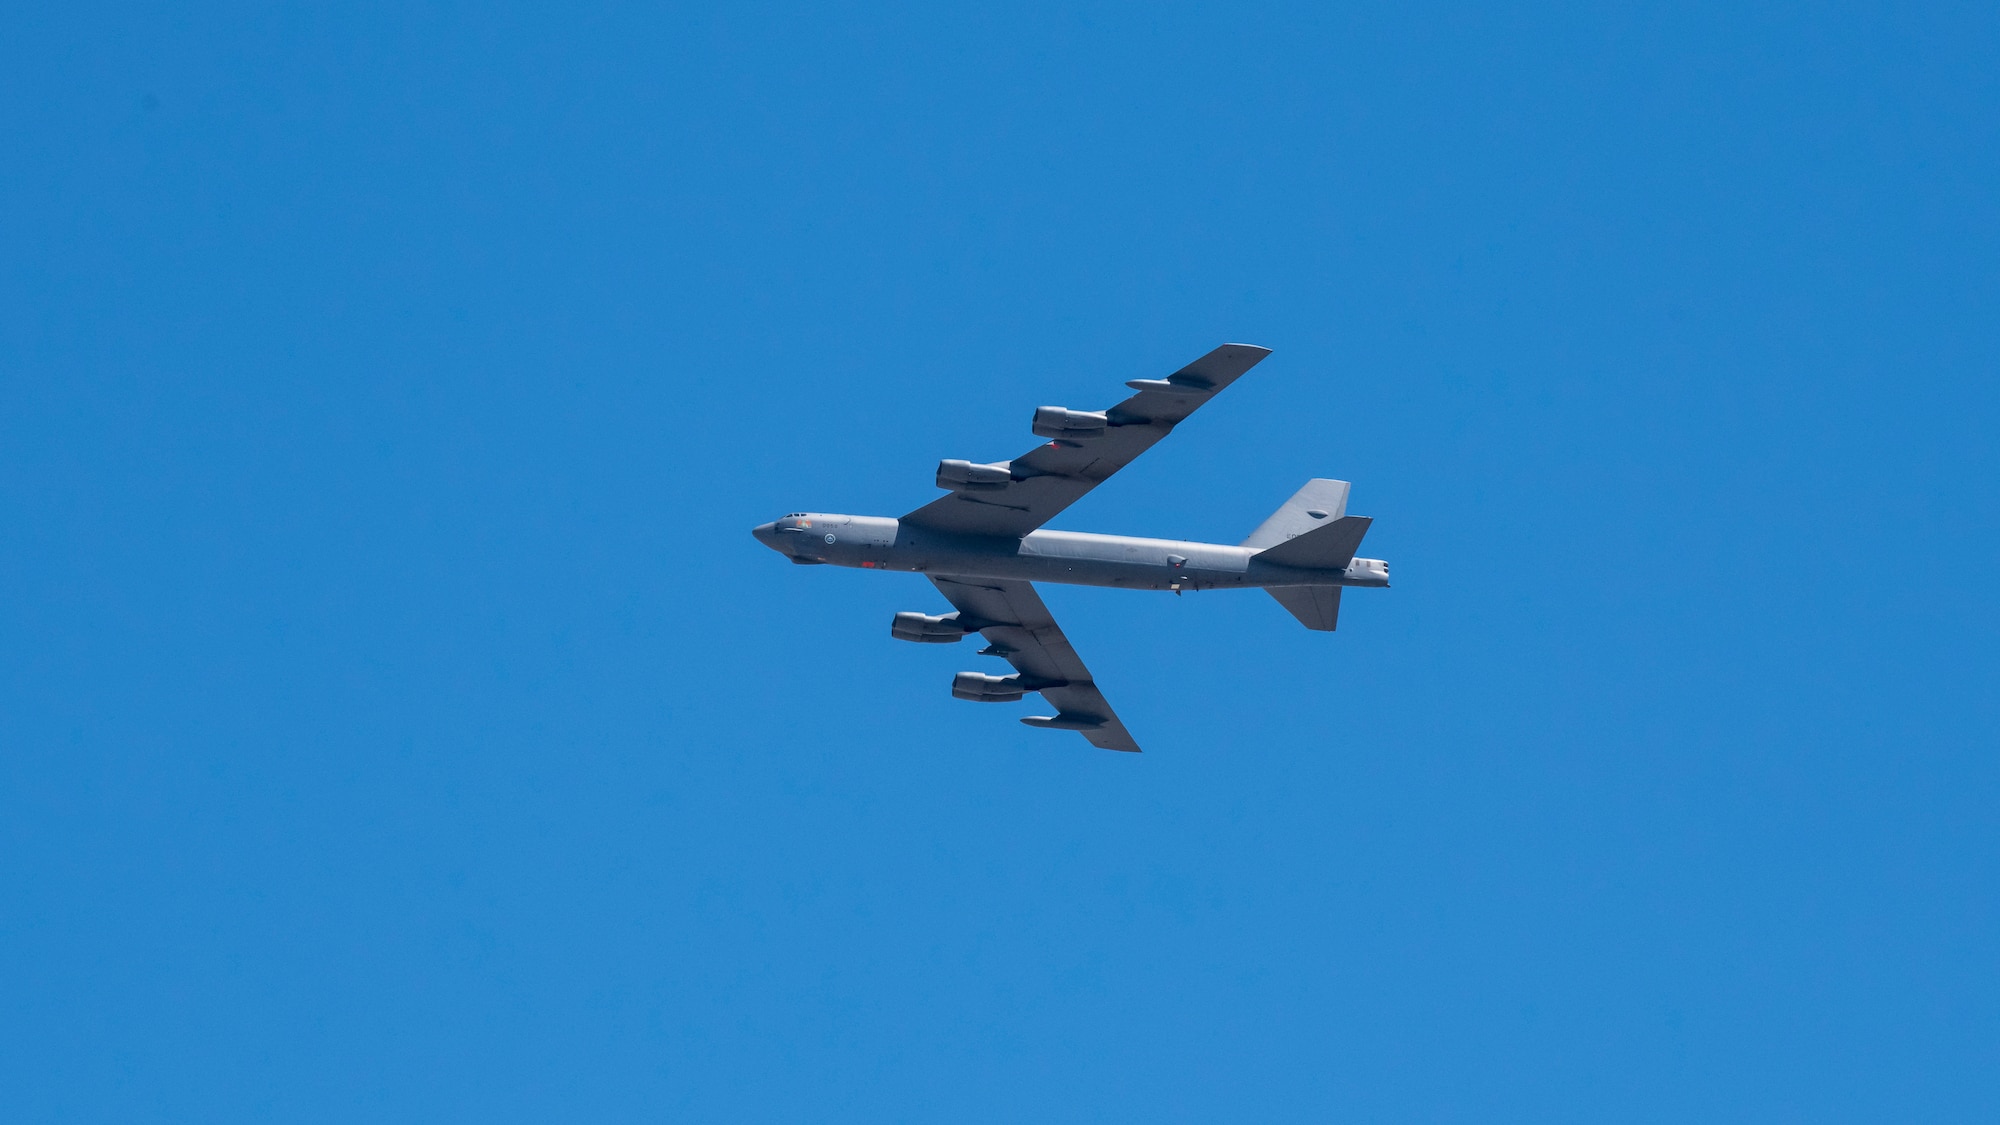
(1316, 607)
(1310, 507)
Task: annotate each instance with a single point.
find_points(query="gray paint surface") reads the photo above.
(982, 545)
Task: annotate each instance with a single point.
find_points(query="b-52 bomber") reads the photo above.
(982, 545)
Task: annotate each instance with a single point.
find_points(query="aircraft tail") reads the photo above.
(1309, 508)
(1312, 530)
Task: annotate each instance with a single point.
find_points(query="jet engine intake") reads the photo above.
(982, 688)
(965, 476)
(927, 630)
(1060, 422)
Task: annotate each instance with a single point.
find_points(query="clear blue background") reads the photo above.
(401, 724)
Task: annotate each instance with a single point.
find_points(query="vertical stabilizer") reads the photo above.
(1317, 504)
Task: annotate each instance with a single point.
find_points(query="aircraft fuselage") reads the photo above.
(1072, 557)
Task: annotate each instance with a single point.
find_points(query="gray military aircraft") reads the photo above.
(982, 545)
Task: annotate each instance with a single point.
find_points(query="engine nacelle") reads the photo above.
(965, 476)
(982, 688)
(1059, 422)
(927, 630)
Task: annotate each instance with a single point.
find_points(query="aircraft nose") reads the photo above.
(764, 531)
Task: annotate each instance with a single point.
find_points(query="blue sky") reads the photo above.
(401, 725)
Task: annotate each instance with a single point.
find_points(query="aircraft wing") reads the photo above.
(1087, 447)
(1018, 627)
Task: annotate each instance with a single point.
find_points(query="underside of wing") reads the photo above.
(1019, 629)
(1085, 447)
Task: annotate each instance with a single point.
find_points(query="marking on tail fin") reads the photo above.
(1309, 508)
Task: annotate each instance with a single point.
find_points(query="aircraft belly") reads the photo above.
(1070, 558)
(1069, 571)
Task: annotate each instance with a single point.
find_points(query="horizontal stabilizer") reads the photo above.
(1330, 547)
(1316, 607)
(1308, 510)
